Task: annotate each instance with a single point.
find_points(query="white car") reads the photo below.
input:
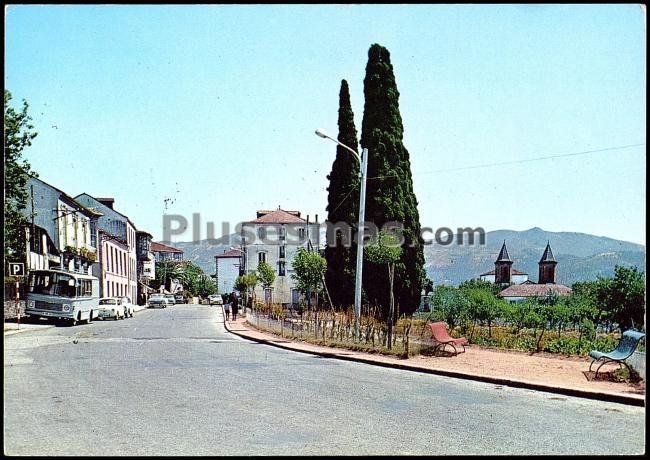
(129, 308)
(111, 307)
(215, 299)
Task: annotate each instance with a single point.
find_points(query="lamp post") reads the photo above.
(363, 168)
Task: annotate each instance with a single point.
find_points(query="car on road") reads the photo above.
(158, 301)
(111, 307)
(215, 299)
(170, 298)
(179, 298)
(129, 308)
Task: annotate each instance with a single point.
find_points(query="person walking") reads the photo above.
(226, 309)
(235, 306)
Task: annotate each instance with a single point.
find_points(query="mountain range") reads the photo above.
(580, 256)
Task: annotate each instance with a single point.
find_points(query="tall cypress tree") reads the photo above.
(390, 196)
(343, 205)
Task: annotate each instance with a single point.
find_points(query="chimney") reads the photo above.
(108, 202)
(316, 218)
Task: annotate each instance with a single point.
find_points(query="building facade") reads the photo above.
(227, 269)
(275, 237)
(503, 272)
(61, 232)
(546, 285)
(114, 267)
(121, 228)
(146, 265)
(163, 253)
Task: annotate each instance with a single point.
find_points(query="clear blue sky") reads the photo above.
(215, 107)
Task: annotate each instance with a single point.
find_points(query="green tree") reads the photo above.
(18, 135)
(265, 274)
(245, 284)
(386, 250)
(343, 206)
(626, 298)
(449, 305)
(390, 196)
(309, 268)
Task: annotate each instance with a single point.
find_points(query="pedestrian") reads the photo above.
(235, 306)
(226, 309)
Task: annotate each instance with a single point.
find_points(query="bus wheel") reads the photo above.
(75, 321)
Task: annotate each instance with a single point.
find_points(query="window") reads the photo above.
(261, 232)
(282, 252)
(282, 233)
(52, 284)
(84, 288)
(301, 234)
(261, 257)
(281, 269)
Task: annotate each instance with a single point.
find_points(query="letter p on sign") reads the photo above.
(16, 269)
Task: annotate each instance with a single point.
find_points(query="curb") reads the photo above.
(607, 397)
(16, 331)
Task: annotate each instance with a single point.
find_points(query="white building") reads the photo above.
(503, 272)
(227, 266)
(61, 232)
(275, 237)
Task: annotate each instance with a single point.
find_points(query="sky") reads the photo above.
(515, 116)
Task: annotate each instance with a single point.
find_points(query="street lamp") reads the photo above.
(363, 163)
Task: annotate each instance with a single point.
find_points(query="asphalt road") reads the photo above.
(174, 382)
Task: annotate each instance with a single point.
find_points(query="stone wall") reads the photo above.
(10, 309)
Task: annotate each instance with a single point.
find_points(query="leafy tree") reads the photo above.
(450, 305)
(477, 283)
(265, 274)
(246, 285)
(390, 195)
(167, 270)
(626, 298)
(308, 268)
(483, 306)
(343, 205)
(18, 135)
(386, 250)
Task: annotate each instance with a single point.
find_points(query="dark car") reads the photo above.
(179, 298)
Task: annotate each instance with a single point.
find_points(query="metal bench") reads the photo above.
(624, 350)
(441, 338)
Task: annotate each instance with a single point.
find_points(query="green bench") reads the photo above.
(624, 350)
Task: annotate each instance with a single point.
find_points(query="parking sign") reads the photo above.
(16, 269)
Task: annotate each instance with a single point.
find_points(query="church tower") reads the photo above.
(547, 266)
(502, 266)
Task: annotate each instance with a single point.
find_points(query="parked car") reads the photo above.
(129, 308)
(111, 307)
(170, 299)
(215, 299)
(179, 298)
(158, 301)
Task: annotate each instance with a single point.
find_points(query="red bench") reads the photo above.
(441, 338)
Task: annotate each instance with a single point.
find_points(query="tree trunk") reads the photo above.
(391, 308)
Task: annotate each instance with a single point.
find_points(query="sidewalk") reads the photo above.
(12, 327)
(542, 372)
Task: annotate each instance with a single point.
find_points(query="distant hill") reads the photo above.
(202, 253)
(580, 256)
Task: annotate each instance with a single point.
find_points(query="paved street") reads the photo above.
(174, 382)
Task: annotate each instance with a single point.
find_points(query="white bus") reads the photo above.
(62, 295)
